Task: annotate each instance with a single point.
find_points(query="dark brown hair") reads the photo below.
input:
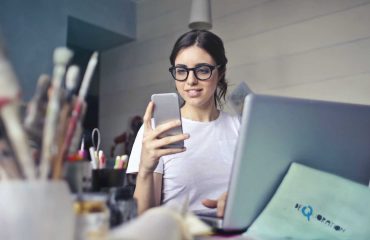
(214, 46)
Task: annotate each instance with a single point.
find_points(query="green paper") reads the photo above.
(312, 204)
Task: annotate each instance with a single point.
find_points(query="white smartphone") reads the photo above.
(167, 108)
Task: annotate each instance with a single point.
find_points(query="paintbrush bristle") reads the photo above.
(91, 65)
(43, 81)
(62, 55)
(95, 56)
(72, 77)
(9, 87)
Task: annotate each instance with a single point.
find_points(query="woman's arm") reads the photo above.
(148, 183)
(148, 190)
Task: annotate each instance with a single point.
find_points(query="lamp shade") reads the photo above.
(200, 15)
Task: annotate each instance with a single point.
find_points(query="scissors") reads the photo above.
(99, 155)
(96, 144)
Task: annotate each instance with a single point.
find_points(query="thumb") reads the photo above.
(209, 203)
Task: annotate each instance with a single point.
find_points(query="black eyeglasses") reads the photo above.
(201, 72)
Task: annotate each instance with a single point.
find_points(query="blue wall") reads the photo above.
(32, 29)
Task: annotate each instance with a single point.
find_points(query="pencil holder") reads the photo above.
(36, 210)
(78, 176)
(104, 179)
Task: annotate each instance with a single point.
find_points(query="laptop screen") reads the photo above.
(276, 131)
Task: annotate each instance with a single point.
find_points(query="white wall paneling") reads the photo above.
(311, 49)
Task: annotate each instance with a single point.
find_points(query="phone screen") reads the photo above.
(166, 109)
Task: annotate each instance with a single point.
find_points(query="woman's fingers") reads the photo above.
(153, 146)
(220, 204)
(151, 156)
(153, 136)
(157, 147)
(221, 207)
(159, 130)
(168, 151)
(147, 119)
(209, 203)
(160, 143)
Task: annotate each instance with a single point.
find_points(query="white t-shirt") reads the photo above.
(203, 170)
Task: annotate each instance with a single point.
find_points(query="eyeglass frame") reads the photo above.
(211, 67)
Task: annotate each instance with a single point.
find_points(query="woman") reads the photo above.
(200, 171)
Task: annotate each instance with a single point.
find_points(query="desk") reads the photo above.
(237, 237)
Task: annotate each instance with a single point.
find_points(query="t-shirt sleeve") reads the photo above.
(134, 160)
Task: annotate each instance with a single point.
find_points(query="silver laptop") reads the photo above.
(276, 131)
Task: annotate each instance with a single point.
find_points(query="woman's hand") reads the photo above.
(219, 203)
(152, 147)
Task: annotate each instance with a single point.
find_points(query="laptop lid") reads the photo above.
(276, 131)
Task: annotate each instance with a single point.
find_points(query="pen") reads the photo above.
(117, 162)
(102, 159)
(94, 163)
(124, 160)
(81, 152)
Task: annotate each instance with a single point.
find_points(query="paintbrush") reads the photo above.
(7, 162)
(9, 111)
(49, 149)
(36, 111)
(77, 110)
(72, 77)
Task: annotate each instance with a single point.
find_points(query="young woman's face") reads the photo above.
(196, 93)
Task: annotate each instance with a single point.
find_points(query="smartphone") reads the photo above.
(166, 109)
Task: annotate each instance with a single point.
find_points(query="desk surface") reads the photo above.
(237, 237)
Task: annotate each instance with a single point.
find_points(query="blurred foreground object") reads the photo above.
(161, 223)
(48, 215)
(10, 115)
